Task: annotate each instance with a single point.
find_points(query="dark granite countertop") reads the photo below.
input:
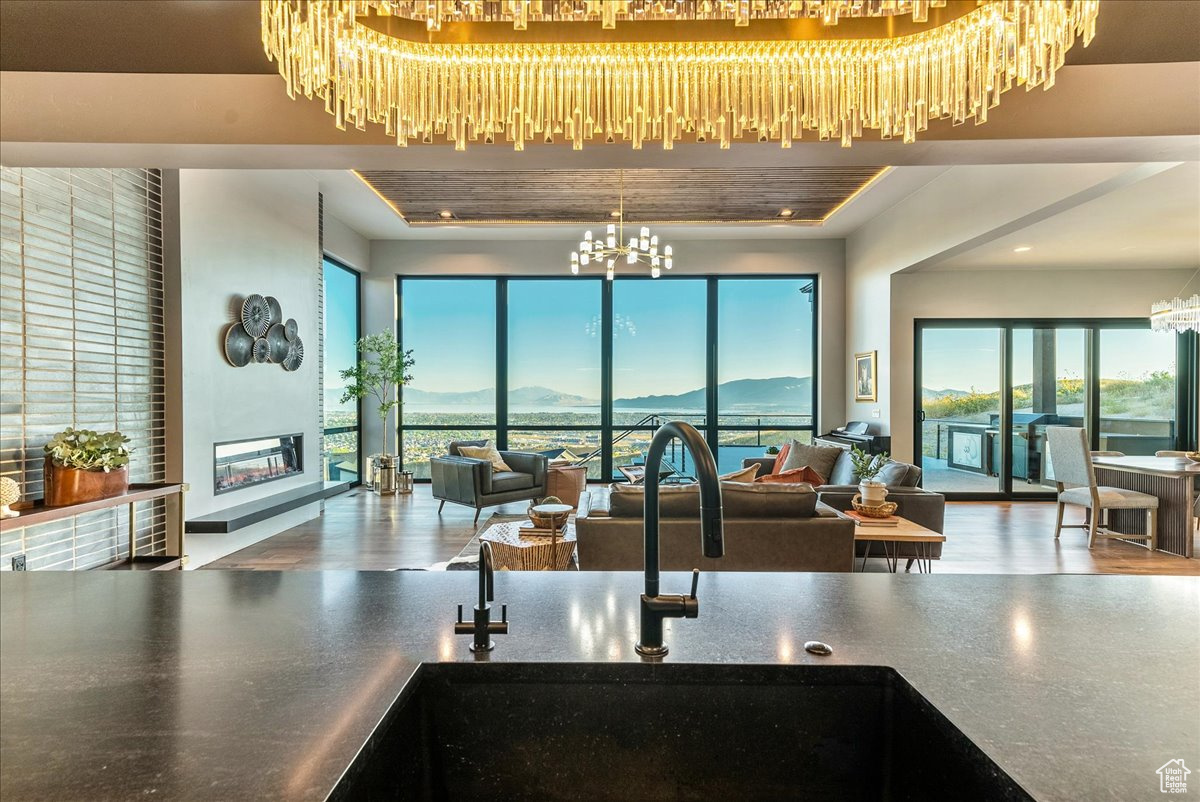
(254, 685)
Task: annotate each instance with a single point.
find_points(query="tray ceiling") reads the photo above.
(800, 195)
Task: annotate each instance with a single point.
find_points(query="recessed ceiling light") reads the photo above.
(1022, 248)
(786, 213)
(446, 214)
(614, 213)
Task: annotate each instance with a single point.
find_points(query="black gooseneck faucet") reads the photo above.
(483, 627)
(656, 607)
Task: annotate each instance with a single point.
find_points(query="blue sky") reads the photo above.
(554, 336)
(960, 359)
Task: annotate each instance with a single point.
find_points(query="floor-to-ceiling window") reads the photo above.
(554, 369)
(585, 370)
(766, 340)
(342, 456)
(659, 373)
(450, 326)
(977, 380)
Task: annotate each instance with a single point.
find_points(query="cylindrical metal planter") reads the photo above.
(385, 476)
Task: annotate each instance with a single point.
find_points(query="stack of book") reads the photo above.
(530, 529)
(863, 520)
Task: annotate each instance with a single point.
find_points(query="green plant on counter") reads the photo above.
(379, 377)
(89, 450)
(867, 466)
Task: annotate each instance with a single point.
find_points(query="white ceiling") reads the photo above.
(1153, 223)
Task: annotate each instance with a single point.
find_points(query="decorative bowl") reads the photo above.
(884, 510)
(549, 516)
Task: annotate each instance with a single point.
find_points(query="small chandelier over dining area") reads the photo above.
(1178, 314)
(642, 248)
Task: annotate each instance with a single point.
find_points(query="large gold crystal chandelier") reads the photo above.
(575, 89)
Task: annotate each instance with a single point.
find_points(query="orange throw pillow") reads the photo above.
(780, 458)
(795, 475)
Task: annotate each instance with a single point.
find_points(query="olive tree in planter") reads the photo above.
(83, 465)
(381, 370)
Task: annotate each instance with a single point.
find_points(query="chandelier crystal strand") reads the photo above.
(641, 248)
(668, 91)
(608, 12)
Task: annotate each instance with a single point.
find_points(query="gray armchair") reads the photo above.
(463, 480)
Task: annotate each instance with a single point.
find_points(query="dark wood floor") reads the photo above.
(362, 531)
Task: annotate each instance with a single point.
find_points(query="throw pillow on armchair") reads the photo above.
(486, 452)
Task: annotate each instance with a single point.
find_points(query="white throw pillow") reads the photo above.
(488, 452)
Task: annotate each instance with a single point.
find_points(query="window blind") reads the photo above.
(81, 344)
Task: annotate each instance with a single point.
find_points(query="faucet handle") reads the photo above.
(460, 614)
(695, 581)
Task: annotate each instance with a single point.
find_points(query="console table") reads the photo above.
(35, 512)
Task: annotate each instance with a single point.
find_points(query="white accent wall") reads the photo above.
(243, 232)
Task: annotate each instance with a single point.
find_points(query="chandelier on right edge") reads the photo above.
(1178, 314)
(565, 83)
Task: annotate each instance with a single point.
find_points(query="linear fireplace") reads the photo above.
(243, 463)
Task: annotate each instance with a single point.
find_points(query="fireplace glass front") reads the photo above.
(243, 463)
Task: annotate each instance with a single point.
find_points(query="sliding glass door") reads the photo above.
(962, 371)
(1048, 389)
(1137, 391)
(987, 391)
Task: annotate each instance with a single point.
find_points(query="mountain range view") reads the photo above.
(783, 392)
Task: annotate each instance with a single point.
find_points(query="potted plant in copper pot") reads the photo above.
(83, 465)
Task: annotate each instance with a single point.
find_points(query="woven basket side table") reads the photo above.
(514, 551)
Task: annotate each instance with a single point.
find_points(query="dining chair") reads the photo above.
(1075, 477)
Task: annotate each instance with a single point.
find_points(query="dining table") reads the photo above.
(1172, 480)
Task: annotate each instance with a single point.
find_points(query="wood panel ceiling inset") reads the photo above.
(425, 197)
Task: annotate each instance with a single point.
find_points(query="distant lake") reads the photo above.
(491, 408)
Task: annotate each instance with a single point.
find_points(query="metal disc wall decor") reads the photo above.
(277, 339)
(239, 346)
(256, 315)
(295, 354)
(261, 335)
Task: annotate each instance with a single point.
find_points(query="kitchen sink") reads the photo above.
(668, 732)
